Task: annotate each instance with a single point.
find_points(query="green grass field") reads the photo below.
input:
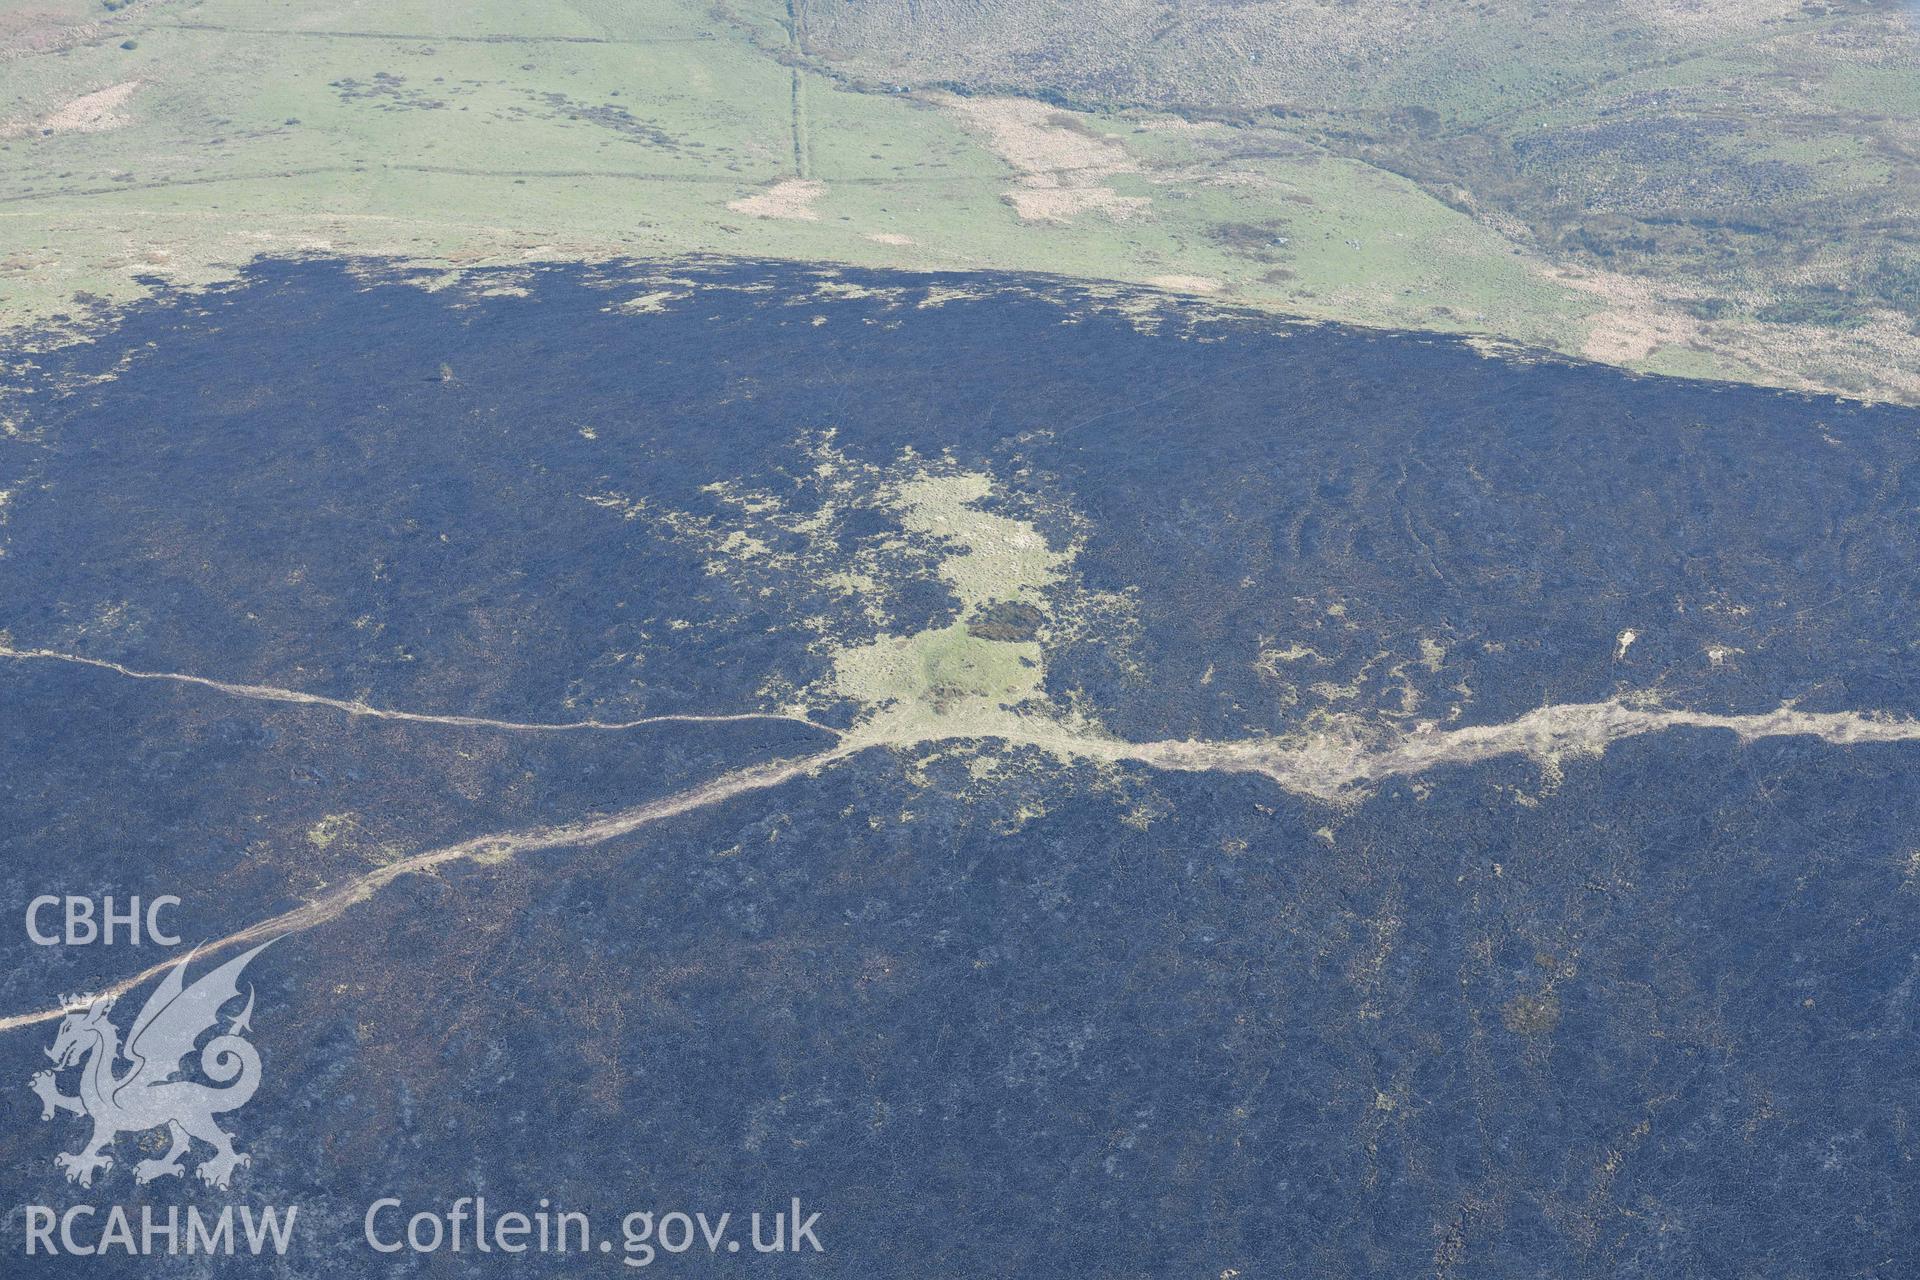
(179, 140)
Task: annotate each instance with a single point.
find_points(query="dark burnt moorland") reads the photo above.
(1122, 789)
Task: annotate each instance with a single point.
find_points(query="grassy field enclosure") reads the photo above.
(1477, 176)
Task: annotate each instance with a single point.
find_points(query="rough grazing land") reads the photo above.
(1734, 177)
(1724, 191)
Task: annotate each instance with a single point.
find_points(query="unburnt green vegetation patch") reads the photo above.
(1723, 194)
(1733, 183)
